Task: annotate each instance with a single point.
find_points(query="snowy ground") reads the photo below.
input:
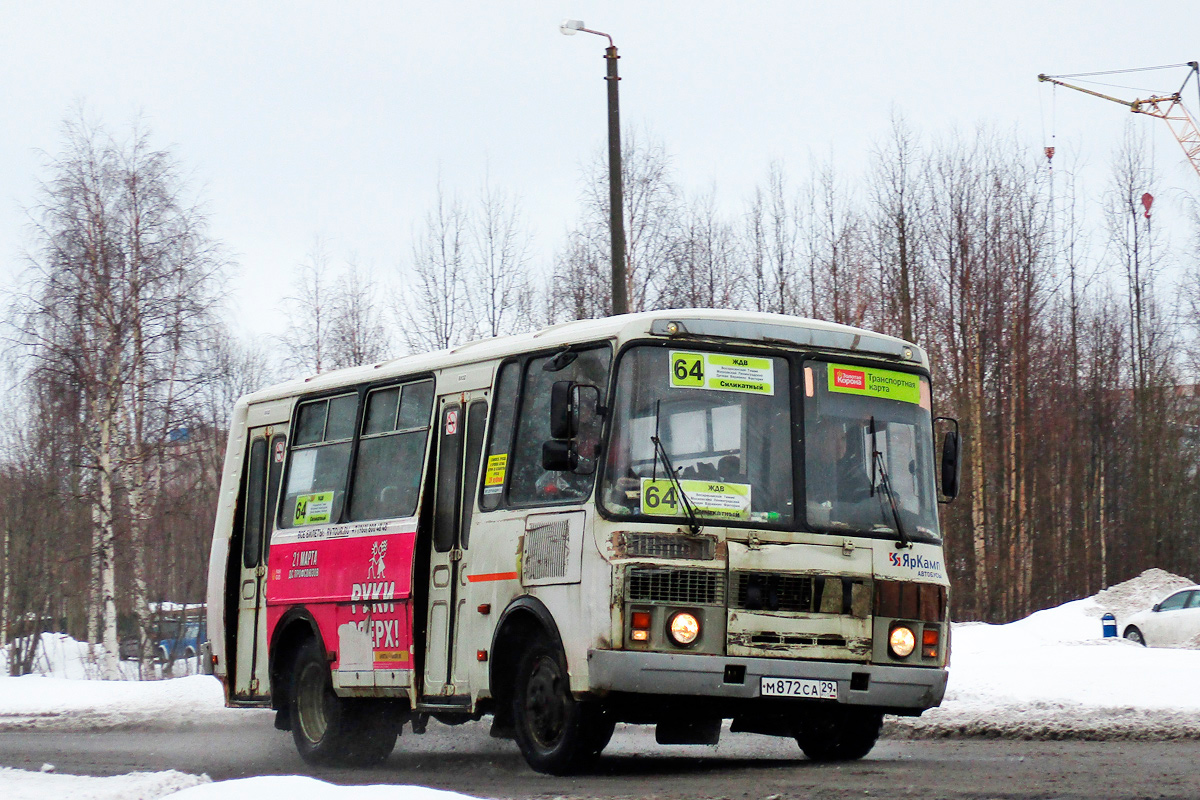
(1052, 676)
(60, 656)
(1049, 676)
(25, 785)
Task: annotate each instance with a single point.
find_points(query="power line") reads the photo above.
(1119, 71)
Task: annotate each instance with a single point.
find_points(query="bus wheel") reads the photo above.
(331, 730)
(557, 734)
(839, 734)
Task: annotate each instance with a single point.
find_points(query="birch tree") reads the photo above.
(119, 292)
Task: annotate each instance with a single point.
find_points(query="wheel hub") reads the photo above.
(311, 703)
(545, 702)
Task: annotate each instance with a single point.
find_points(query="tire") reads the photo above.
(556, 733)
(331, 730)
(1133, 634)
(845, 733)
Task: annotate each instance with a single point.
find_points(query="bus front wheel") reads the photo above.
(331, 730)
(557, 734)
(843, 733)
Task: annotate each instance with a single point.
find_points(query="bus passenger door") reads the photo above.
(462, 418)
(262, 469)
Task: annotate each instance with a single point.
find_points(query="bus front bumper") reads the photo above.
(898, 689)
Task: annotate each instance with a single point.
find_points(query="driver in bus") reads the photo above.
(837, 465)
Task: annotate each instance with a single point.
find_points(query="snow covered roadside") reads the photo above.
(23, 785)
(34, 702)
(1053, 676)
(60, 656)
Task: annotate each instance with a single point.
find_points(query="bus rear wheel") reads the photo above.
(557, 734)
(331, 730)
(844, 733)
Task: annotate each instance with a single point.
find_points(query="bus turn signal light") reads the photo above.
(929, 643)
(641, 626)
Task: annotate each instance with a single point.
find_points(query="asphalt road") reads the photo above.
(464, 759)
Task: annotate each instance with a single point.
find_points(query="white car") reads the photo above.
(1175, 622)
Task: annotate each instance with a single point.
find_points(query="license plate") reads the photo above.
(798, 687)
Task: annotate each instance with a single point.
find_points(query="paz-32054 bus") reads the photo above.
(672, 518)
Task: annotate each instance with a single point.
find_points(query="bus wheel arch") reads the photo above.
(525, 620)
(296, 628)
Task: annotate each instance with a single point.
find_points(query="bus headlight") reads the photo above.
(684, 628)
(902, 641)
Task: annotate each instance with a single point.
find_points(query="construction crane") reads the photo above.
(1166, 107)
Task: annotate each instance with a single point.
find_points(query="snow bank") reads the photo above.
(18, 784)
(33, 701)
(23, 785)
(1052, 675)
(293, 787)
(60, 656)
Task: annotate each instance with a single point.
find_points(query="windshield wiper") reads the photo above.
(886, 483)
(661, 452)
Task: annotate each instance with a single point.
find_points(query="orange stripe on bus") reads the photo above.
(493, 576)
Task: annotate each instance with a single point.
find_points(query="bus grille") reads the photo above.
(772, 591)
(664, 545)
(544, 554)
(696, 586)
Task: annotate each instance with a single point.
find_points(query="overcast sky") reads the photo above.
(304, 118)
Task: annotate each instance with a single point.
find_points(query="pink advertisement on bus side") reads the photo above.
(356, 574)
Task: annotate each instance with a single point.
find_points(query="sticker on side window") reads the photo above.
(711, 499)
(721, 372)
(493, 476)
(313, 509)
(873, 382)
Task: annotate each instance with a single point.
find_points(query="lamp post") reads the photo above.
(616, 209)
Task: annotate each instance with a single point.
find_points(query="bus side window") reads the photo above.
(253, 521)
(495, 469)
(319, 462)
(476, 417)
(387, 469)
(530, 484)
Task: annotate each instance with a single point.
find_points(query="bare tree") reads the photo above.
(706, 270)
(897, 230)
(357, 334)
(306, 341)
(498, 289)
(118, 296)
(651, 217)
(433, 309)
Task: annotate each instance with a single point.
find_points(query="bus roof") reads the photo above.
(681, 324)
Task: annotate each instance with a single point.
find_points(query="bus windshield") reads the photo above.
(723, 425)
(868, 443)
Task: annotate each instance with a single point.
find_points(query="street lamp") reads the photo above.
(615, 198)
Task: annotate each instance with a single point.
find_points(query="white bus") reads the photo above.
(672, 518)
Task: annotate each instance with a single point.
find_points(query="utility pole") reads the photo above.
(616, 201)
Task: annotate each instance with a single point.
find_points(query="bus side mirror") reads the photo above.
(558, 455)
(575, 414)
(951, 460)
(564, 410)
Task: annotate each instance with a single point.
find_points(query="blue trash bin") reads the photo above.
(1110, 626)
